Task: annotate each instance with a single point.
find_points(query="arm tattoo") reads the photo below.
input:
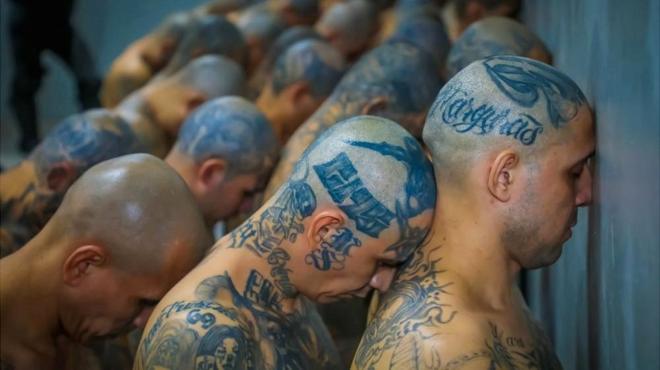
(239, 333)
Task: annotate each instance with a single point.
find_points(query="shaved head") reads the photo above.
(313, 61)
(376, 173)
(84, 140)
(348, 25)
(426, 31)
(231, 128)
(207, 34)
(118, 205)
(494, 36)
(500, 102)
(214, 75)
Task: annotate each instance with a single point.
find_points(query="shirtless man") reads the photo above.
(302, 78)
(511, 140)
(495, 36)
(110, 252)
(357, 204)
(182, 38)
(224, 152)
(397, 80)
(156, 111)
(31, 192)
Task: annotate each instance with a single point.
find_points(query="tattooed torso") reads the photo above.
(222, 328)
(423, 322)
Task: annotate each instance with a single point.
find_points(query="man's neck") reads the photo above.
(14, 181)
(28, 301)
(472, 253)
(251, 275)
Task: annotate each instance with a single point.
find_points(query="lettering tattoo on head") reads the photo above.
(341, 180)
(525, 80)
(240, 331)
(459, 110)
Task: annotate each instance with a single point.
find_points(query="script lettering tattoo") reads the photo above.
(223, 329)
(524, 81)
(459, 110)
(420, 191)
(342, 182)
(333, 251)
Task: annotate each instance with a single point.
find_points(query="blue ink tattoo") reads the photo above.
(334, 251)
(341, 180)
(524, 80)
(420, 190)
(458, 110)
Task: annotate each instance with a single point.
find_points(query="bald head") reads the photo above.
(348, 25)
(213, 75)
(260, 27)
(118, 205)
(500, 102)
(207, 34)
(376, 173)
(494, 36)
(80, 142)
(428, 32)
(233, 129)
(313, 61)
(397, 80)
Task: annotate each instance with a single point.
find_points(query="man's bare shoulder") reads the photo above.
(202, 332)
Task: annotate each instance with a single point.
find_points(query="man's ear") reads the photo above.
(78, 265)
(60, 177)
(375, 105)
(322, 225)
(212, 172)
(194, 98)
(300, 94)
(502, 175)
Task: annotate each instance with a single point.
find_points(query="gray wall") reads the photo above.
(600, 302)
(108, 26)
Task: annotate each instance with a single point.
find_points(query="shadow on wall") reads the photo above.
(601, 301)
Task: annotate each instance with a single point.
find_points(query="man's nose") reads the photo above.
(141, 319)
(382, 278)
(585, 184)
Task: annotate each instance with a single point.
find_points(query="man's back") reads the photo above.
(224, 326)
(429, 319)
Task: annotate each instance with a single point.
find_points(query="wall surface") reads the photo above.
(600, 301)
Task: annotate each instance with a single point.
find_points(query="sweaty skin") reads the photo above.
(357, 204)
(510, 138)
(110, 251)
(397, 80)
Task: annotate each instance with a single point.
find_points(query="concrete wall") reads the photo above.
(600, 302)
